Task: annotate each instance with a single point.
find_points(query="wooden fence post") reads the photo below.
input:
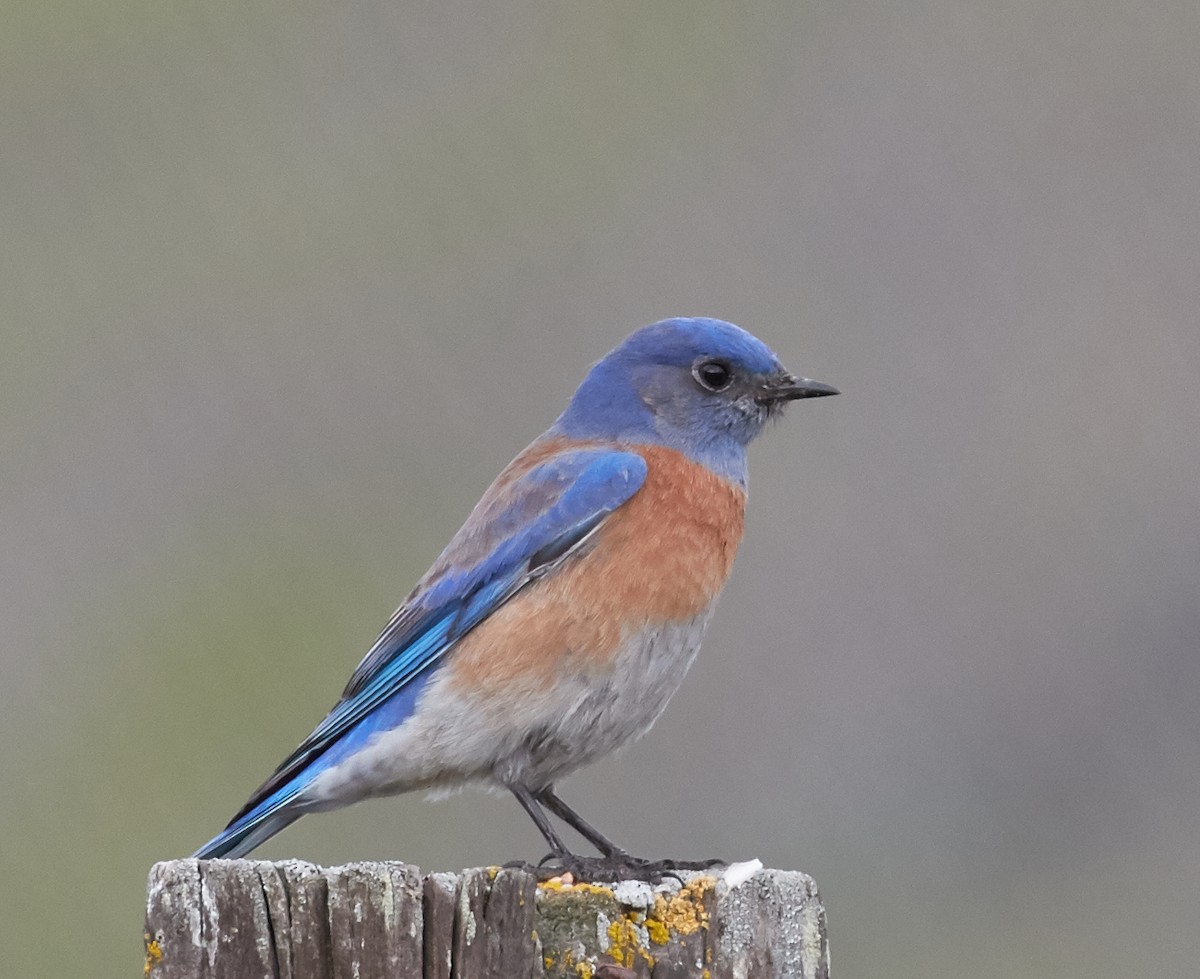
(246, 919)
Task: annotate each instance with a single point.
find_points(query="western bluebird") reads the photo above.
(565, 612)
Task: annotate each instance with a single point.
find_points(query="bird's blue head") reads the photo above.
(701, 386)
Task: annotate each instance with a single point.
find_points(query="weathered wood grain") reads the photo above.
(441, 892)
(244, 919)
(376, 925)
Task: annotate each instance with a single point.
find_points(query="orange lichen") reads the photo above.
(153, 955)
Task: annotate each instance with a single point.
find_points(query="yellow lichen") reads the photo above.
(559, 886)
(631, 932)
(584, 969)
(659, 933)
(625, 943)
(153, 955)
(683, 913)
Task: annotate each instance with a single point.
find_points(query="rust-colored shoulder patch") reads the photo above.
(662, 557)
(477, 536)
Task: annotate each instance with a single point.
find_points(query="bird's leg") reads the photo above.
(615, 864)
(569, 816)
(530, 804)
(620, 861)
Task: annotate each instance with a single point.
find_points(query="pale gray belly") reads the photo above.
(607, 711)
(525, 737)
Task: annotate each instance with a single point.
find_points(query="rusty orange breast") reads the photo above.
(662, 557)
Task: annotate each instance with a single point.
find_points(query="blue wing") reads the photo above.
(519, 532)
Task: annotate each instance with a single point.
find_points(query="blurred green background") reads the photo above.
(282, 285)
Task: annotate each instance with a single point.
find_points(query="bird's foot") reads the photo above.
(667, 866)
(612, 869)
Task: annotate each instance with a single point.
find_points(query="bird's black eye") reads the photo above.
(715, 375)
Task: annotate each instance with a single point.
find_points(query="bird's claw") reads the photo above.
(612, 869)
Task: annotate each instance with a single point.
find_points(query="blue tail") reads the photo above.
(242, 836)
(279, 802)
(255, 825)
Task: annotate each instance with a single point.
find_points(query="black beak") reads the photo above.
(789, 388)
